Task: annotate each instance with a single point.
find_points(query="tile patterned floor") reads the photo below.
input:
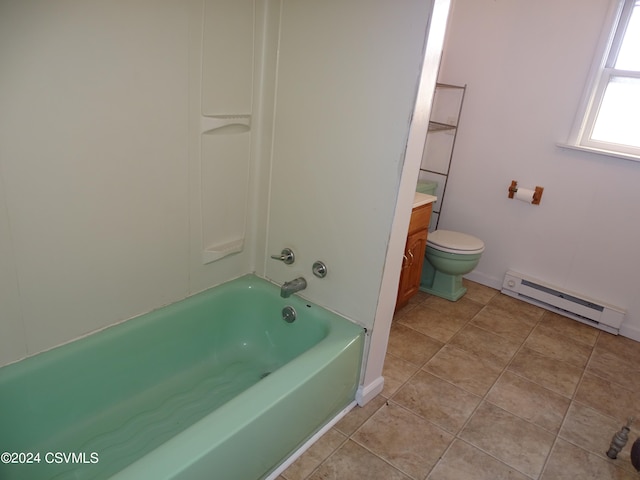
(487, 388)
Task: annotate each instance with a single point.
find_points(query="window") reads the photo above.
(611, 120)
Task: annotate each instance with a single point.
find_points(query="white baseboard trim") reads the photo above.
(366, 393)
(629, 331)
(295, 455)
(485, 280)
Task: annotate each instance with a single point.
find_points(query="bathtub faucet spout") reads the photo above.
(295, 285)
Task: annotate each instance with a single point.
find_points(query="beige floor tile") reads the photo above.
(625, 347)
(593, 431)
(615, 366)
(514, 441)
(403, 439)
(419, 297)
(396, 371)
(529, 401)
(478, 293)
(465, 462)
(414, 301)
(401, 311)
(486, 345)
(561, 377)
(358, 415)
(433, 323)
(315, 455)
(568, 327)
(517, 308)
(464, 369)
(411, 345)
(437, 401)
(443, 357)
(568, 462)
(497, 321)
(352, 461)
(608, 398)
(615, 358)
(548, 342)
(397, 315)
(464, 309)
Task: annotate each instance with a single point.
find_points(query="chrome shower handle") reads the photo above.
(286, 255)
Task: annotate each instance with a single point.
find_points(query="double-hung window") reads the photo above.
(610, 122)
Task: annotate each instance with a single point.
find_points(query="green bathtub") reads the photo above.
(216, 386)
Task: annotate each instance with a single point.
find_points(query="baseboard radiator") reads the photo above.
(569, 304)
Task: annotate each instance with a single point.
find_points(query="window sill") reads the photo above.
(608, 153)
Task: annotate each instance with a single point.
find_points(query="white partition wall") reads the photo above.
(348, 74)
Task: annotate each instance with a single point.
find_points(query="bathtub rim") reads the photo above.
(171, 459)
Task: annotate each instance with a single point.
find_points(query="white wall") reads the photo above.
(100, 200)
(525, 64)
(347, 80)
(92, 137)
(348, 74)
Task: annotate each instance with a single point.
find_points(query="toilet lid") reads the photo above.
(455, 242)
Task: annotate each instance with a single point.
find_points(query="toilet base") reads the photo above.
(441, 284)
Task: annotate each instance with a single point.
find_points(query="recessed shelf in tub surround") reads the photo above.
(221, 250)
(217, 125)
(225, 119)
(225, 147)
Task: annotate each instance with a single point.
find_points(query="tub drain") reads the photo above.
(265, 374)
(289, 314)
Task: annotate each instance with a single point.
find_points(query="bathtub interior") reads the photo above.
(126, 390)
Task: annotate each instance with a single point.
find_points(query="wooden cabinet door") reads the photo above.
(411, 267)
(416, 244)
(413, 254)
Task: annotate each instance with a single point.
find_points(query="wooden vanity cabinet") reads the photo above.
(413, 254)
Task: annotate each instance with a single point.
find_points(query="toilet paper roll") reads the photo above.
(525, 195)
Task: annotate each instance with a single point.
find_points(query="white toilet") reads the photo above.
(449, 255)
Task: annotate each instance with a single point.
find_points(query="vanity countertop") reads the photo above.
(423, 199)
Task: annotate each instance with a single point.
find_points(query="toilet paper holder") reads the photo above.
(537, 193)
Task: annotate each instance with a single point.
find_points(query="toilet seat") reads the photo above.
(455, 242)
